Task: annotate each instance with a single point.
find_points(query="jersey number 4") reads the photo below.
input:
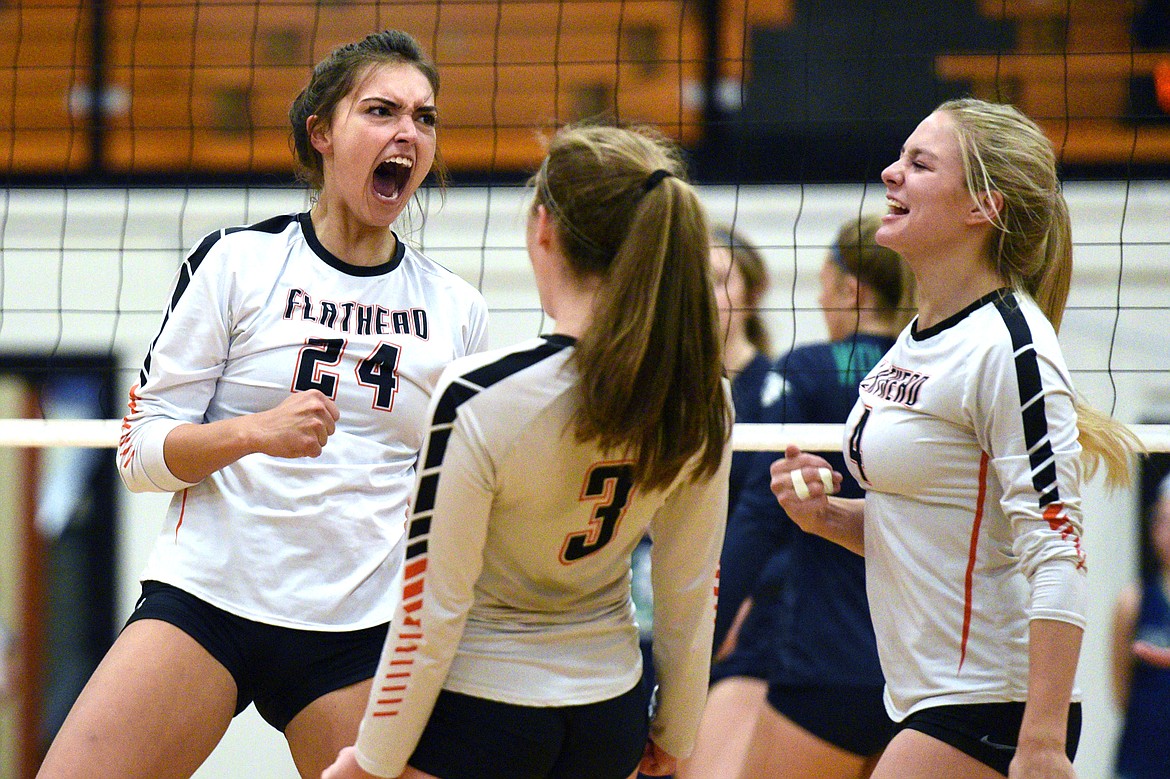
(609, 485)
(378, 369)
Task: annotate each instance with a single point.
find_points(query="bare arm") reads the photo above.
(840, 520)
(298, 427)
(1053, 650)
(1125, 615)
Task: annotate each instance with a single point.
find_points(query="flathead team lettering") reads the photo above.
(894, 384)
(357, 318)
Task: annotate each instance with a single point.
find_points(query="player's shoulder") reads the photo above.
(240, 241)
(491, 368)
(436, 272)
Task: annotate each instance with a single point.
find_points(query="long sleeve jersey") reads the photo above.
(517, 577)
(965, 439)
(257, 313)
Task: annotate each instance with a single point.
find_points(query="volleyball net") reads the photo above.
(128, 130)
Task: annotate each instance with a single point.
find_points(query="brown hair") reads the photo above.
(1006, 152)
(650, 362)
(750, 262)
(332, 80)
(857, 253)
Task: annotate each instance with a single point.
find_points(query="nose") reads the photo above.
(892, 174)
(405, 128)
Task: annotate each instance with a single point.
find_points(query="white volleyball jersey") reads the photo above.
(965, 438)
(517, 577)
(257, 313)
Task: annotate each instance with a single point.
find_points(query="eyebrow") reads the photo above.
(918, 151)
(425, 108)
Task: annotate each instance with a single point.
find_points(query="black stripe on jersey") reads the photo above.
(457, 393)
(1034, 418)
(187, 270)
(437, 446)
(419, 527)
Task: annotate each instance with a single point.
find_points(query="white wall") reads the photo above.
(88, 270)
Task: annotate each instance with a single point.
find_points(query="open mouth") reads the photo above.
(391, 176)
(895, 207)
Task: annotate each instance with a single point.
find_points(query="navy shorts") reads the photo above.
(850, 717)
(474, 738)
(987, 732)
(281, 670)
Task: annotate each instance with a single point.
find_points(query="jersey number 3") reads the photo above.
(378, 369)
(609, 485)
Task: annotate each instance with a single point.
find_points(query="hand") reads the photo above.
(805, 497)
(731, 640)
(1049, 762)
(298, 427)
(656, 762)
(346, 767)
(1151, 654)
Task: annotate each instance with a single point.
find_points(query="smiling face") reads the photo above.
(929, 206)
(379, 145)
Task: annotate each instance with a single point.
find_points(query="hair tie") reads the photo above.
(652, 180)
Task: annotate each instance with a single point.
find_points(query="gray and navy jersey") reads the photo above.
(517, 576)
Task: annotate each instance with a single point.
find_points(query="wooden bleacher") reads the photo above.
(206, 88)
(1070, 71)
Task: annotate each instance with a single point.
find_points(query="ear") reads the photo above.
(545, 228)
(989, 204)
(319, 135)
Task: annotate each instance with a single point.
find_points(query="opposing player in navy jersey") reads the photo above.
(740, 276)
(283, 403)
(802, 669)
(1140, 657)
(968, 438)
(514, 651)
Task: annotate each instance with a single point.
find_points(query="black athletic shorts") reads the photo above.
(475, 738)
(281, 670)
(850, 717)
(987, 732)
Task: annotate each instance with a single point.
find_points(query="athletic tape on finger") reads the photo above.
(827, 480)
(798, 485)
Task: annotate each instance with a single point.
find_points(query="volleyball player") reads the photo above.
(968, 438)
(804, 669)
(514, 651)
(282, 402)
(740, 276)
(1140, 657)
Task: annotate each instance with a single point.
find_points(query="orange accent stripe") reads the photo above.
(412, 590)
(968, 584)
(1057, 519)
(384, 714)
(415, 568)
(182, 514)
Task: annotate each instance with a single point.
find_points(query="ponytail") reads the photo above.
(650, 363)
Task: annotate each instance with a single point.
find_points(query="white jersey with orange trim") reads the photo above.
(965, 438)
(257, 313)
(517, 576)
